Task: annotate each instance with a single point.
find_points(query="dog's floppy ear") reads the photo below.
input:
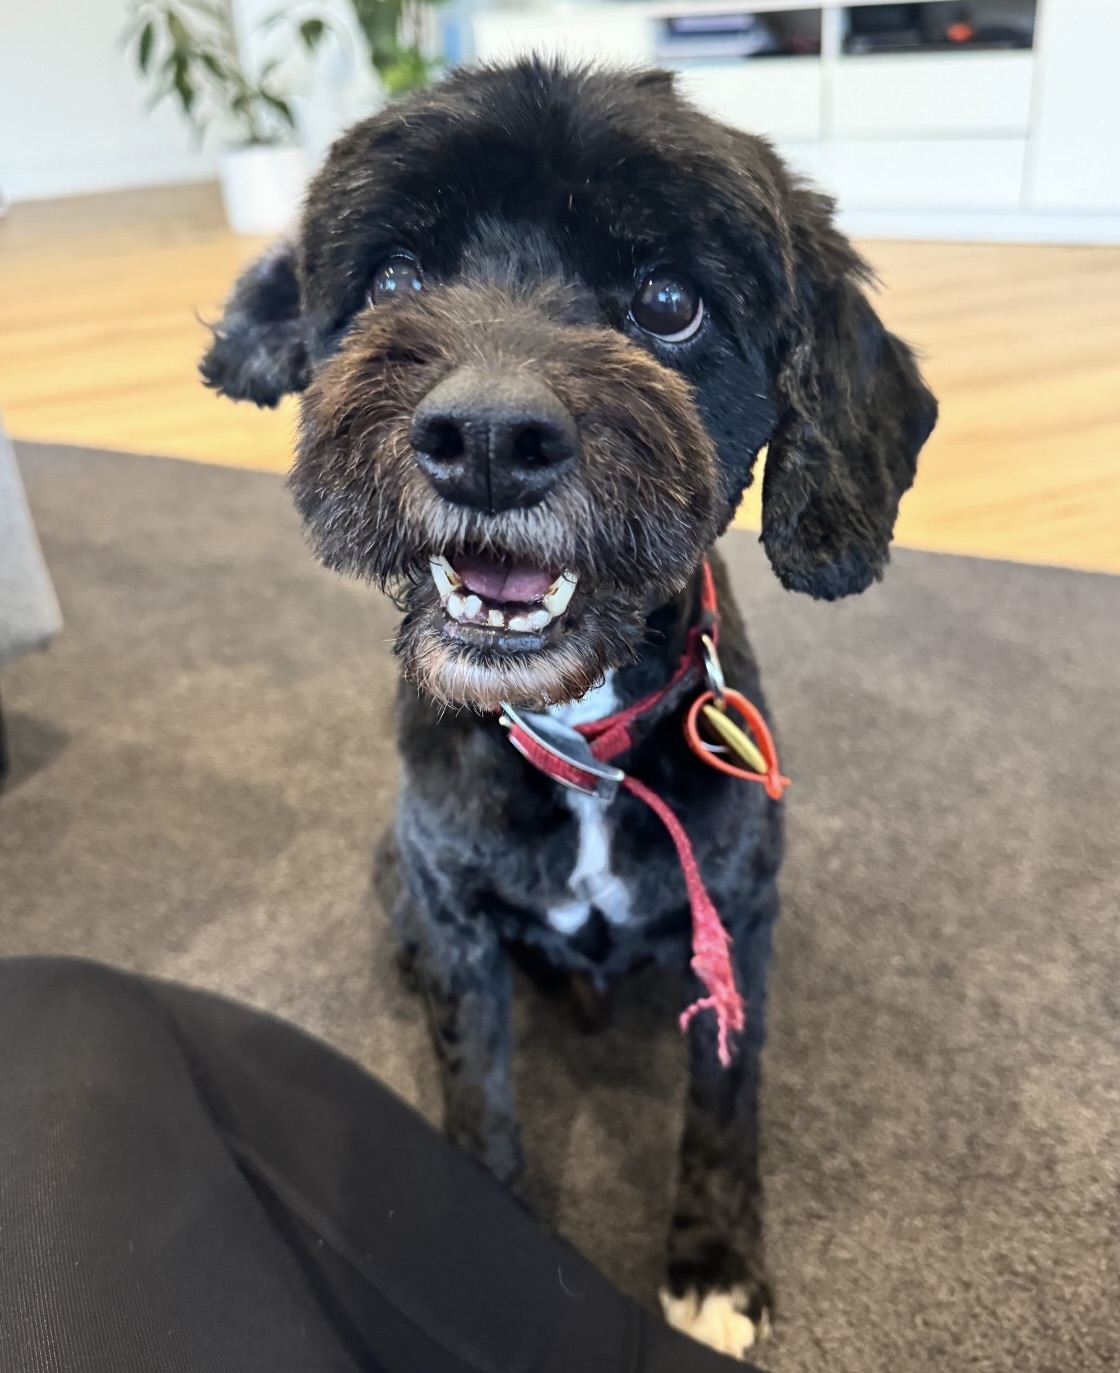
(855, 415)
(259, 352)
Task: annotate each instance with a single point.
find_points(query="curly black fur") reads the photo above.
(259, 351)
(535, 196)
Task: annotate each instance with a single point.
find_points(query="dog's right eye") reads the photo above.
(668, 306)
(398, 275)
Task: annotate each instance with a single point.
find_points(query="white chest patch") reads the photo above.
(592, 883)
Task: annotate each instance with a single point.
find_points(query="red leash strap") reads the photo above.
(612, 736)
(607, 738)
(551, 764)
(711, 944)
(708, 602)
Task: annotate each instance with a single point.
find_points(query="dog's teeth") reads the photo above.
(444, 576)
(531, 623)
(559, 595)
(465, 606)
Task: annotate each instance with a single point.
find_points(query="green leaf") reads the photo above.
(180, 34)
(147, 40)
(212, 65)
(379, 20)
(312, 31)
(184, 88)
(281, 107)
(408, 71)
(215, 12)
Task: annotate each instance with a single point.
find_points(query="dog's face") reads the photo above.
(542, 323)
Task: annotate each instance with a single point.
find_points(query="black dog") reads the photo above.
(543, 322)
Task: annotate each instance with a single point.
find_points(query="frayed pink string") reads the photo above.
(711, 944)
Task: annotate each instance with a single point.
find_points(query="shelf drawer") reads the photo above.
(958, 174)
(600, 34)
(780, 97)
(806, 159)
(936, 95)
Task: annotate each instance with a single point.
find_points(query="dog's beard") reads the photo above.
(628, 530)
(559, 663)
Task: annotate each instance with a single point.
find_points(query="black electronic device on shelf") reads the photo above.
(939, 25)
(695, 35)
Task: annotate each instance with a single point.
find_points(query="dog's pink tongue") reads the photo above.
(498, 579)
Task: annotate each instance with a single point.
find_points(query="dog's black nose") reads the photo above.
(493, 440)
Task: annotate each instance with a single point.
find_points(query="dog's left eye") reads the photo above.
(398, 275)
(668, 306)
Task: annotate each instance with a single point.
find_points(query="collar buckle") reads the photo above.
(582, 771)
(713, 668)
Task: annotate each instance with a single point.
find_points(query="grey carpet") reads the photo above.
(203, 762)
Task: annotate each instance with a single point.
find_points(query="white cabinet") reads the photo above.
(806, 159)
(1075, 142)
(1017, 144)
(780, 97)
(613, 33)
(932, 95)
(943, 174)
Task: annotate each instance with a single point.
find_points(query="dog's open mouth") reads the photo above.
(495, 602)
(505, 624)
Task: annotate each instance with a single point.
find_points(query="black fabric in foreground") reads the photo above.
(203, 762)
(190, 1185)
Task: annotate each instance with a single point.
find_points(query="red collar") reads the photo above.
(582, 759)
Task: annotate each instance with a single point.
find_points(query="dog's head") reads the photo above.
(543, 321)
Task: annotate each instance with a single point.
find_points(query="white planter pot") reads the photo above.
(262, 187)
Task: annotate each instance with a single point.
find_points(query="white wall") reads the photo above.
(1076, 153)
(72, 109)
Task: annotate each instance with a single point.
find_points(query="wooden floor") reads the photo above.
(99, 339)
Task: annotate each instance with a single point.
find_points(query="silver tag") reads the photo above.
(570, 746)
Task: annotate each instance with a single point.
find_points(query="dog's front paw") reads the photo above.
(719, 1319)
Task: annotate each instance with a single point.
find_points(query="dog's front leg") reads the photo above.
(717, 1289)
(465, 976)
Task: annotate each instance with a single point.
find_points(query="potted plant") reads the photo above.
(396, 31)
(190, 49)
